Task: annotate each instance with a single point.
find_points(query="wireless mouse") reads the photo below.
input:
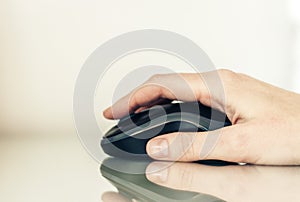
(130, 136)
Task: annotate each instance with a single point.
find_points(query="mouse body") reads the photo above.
(130, 136)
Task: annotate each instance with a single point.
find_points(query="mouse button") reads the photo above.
(132, 117)
(133, 120)
(195, 108)
(141, 118)
(161, 110)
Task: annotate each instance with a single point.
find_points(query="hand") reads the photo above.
(230, 183)
(265, 118)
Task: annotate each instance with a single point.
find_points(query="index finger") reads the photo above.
(183, 87)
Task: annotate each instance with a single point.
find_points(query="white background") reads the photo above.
(44, 44)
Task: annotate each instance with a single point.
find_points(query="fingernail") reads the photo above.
(158, 148)
(157, 172)
(106, 113)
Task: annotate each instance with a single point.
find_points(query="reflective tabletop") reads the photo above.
(165, 181)
(59, 169)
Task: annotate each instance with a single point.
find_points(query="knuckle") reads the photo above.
(186, 177)
(155, 78)
(187, 147)
(230, 80)
(226, 72)
(134, 100)
(227, 75)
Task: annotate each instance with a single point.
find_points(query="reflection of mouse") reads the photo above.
(129, 177)
(130, 136)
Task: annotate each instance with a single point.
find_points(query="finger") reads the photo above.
(145, 95)
(158, 102)
(209, 88)
(232, 143)
(202, 178)
(182, 87)
(113, 196)
(230, 183)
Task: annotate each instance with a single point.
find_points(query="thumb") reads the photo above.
(228, 144)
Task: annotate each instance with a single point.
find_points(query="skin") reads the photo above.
(265, 118)
(230, 183)
(113, 196)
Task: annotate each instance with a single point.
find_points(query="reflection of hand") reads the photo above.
(265, 118)
(230, 183)
(115, 197)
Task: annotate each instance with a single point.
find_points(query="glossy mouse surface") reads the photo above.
(130, 136)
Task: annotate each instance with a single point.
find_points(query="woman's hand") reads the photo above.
(266, 119)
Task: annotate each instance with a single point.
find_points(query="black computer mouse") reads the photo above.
(130, 136)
